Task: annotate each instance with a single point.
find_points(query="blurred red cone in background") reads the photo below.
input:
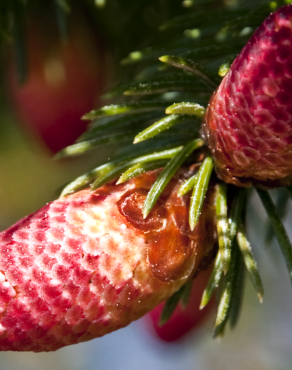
(65, 80)
(182, 320)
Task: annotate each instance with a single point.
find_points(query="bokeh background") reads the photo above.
(262, 340)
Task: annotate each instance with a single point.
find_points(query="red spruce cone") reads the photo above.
(249, 118)
(88, 264)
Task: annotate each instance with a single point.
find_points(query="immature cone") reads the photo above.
(248, 124)
(88, 264)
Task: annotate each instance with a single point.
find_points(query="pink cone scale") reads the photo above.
(88, 264)
(249, 118)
